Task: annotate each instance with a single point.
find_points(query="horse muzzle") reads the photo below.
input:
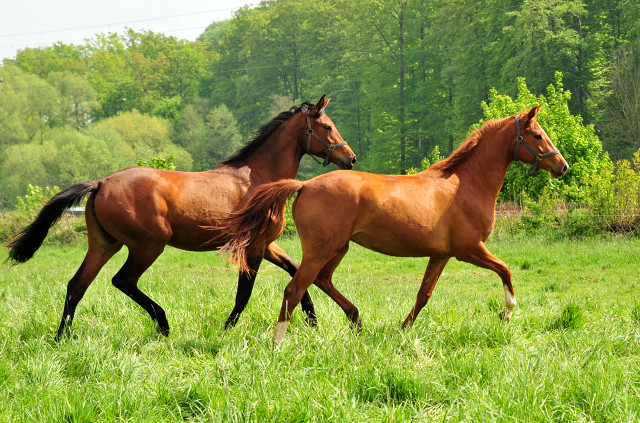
(347, 163)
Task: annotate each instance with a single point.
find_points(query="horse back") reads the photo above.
(138, 205)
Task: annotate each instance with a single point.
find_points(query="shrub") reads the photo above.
(160, 163)
(68, 231)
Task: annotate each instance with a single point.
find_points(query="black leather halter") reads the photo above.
(311, 133)
(539, 157)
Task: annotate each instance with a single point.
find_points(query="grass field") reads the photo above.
(571, 352)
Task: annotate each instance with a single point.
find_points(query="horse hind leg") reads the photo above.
(324, 281)
(126, 280)
(316, 270)
(101, 248)
(280, 258)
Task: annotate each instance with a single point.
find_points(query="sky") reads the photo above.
(40, 23)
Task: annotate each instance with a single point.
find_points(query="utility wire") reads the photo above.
(121, 23)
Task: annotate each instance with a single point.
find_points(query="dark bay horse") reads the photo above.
(147, 209)
(445, 211)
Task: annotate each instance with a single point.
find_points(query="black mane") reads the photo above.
(263, 132)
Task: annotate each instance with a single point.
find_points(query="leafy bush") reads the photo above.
(30, 204)
(160, 163)
(71, 229)
(613, 196)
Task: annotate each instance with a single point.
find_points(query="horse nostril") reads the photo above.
(353, 161)
(565, 168)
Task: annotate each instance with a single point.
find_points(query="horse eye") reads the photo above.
(327, 127)
(537, 136)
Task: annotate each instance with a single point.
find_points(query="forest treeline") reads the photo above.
(405, 76)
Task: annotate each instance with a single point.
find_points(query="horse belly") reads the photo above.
(404, 243)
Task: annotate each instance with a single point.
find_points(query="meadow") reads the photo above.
(571, 352)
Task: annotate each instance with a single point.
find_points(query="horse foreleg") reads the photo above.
(431, 275)
(126, 280)
(277, 256)
(95, 259)
(245, 287)
(481, 257)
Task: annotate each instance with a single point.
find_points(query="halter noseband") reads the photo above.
(539, 157)
(311, 133)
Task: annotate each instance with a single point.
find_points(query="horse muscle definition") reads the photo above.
(147, 209)
(445, 211)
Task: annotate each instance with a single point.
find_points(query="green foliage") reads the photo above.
(159, 163)
(578, 143)
(65, 157)
(613, 196)
(30, 204)
(406, 78)
(434, 158)
(209, 134)
(148, 136)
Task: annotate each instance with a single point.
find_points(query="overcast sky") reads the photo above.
(36, 23)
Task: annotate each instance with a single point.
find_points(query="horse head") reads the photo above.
(538, 149)
(322, 139)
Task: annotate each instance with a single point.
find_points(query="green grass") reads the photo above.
(571, 352)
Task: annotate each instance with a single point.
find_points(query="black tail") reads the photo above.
(24, 243)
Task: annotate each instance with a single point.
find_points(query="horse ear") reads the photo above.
(533, 112)
(321, 104)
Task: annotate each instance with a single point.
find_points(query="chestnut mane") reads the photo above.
(465, 150)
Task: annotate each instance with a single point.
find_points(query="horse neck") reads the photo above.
(486, 169)
(279, 157)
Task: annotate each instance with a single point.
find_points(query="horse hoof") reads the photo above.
(231, 322)
(163, 330)
(505, 316)
(312, 321)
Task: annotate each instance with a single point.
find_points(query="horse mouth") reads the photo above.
(348, 164)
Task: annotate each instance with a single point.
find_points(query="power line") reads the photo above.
(121, 23)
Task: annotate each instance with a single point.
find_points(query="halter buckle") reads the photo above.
(310, 131)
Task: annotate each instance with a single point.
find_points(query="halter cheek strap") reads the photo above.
(311, 133)
(539, 157)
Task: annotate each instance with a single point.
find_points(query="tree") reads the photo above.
(77, 100)
(622, 116)
(209, 134)
(148, 136)
(65, 157)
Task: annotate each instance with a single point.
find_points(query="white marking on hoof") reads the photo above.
(281, 330)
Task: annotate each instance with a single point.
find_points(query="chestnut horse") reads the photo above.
(445, 211)
(147, 209)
